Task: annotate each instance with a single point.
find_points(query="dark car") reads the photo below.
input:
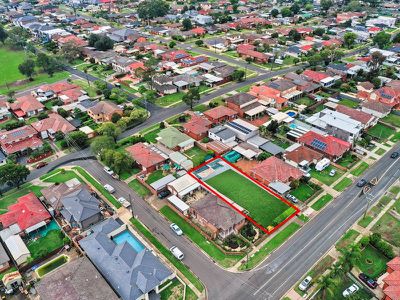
(368, 281)
(163, 194)
(394, 155)
(361, 183)
(41, 165)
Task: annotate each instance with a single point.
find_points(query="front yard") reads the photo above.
(357, 171)
(324, 177)
(372, 262)
(305, 191)
(139, 188)
(347, 239)
(321, 202)
(343, 184)
(169, 99)
(381, 132)
(11, 196)
(348, 160)
(389, 227)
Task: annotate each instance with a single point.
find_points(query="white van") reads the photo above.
(176, 252)
(322, 164)
(109, 188)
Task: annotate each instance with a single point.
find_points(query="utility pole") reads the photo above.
(130, 201)
(369, 199)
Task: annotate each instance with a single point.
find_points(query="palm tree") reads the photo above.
(349, 256)
(325, 286)
(336, 270)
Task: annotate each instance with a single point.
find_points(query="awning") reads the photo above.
(178, 203)
(35, 227)
(255, 111)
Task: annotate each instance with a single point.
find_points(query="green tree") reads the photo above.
(382, 39)
(3, 35)
(376, 61)
(109, 129)
(115, 117)
(172, 44)
(286, 12)
(70, 51)
(349, 256)
(326, 5)
(294, 35)
(13, 174)
(117, 161)
(100, 42)
(238, 75)
(77, 139)
(325, 284)
(199, 43)
(319, 31)
(295, 8)
(274, 12)
(349, 38)
(191, 97)
(187, 24)
(27, 68)
(100, 143)
(150, 9)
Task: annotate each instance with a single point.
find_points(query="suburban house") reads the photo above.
(163, 84)
(173, 139)
(51, 91)
(242, 103)
(183, 186)
(103, 111)
(26, 106)
(303, 83)
(4, 259)
(55, 192)
(269, 96)
(247, 51)
(72, 95)
(321, 78)
(391, 287)
(376, 109)
(364, 90)
(197, 127)
(49, 126)
(332, 147)
(223, 134)
(286, 88)
(220, 114)
(366, 119)
(389, 95)
(274, 169)
(146, 157)
(174, 55)
(219, 219)
(109, 248)
(18, 140)
(302, 157)
(16, 247)
(4, 112)
(242, 129)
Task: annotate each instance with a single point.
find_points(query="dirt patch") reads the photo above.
(246, 165)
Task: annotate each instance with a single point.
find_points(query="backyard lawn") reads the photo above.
(196, 155)
(153, 177)
(169, 99)
(11, 197)
(324, 176)
(321, 202)
(139, 188)
(53, 240)
(357, 171)
(342, 184)
(197, 238)
(389, 227)
(372, 262)
(349, 103)
(262, 206)
(380, 132)
(392, 119)
(305, 101)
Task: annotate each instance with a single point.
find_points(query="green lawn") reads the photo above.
(270, 246)
(62, 176)
(342, 184)
(150, 136)
(347, 239)
(126, 174)
(305, 101)
(177, 263)
(173, 291)
(324, 176)
(51, 265)
(381, 132)
(169, 99)
(9, 61)
(244, 89)
(98, 186)
(395, 189)
(349, 103)
(196, 237)
(303, 192)
(364, 222)
(321, 202)
(357, 171)
(196, 155)
(11, 196)
(392, 119)
(372, 262)
(389, 227)
(380, 151)
(395, 138)
(153, 177)
(90, 89)
(46, 244)
(200, 108)
(139, 188)
(347, 160)
(262, 206)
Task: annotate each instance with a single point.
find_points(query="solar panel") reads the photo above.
(240, 127)
(318, 144)
(18, 133)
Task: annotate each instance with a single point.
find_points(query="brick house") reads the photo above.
(220, 114)
(271, 96)
(391, 282)
(49, 126)
(148, 159)
(19, 140)
(239, 102)
(103, 111)
(197, 127)
(26, 106)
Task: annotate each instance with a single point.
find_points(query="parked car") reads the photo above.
(332, 173)
(350, 290)
(361, 183)
(394, 155)
(121, 200)
(108, 171)
(109, 188)
(368, 280)
(175, 228)
(163, 194)
(292, 198)
(176, 252)
(305, 283)
(41, 164)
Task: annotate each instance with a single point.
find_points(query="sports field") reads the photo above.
(262, 206)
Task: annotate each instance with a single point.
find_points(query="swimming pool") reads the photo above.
(44, 230)
(292, 126)
(291, 113)
(127, 236)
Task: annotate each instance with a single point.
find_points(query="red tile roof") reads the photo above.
(72, 94)
(393, 292)
(394, 264)
(72, 39)
(220, 112)
(54, 122)
(315, 76)
(355, 114)
(393, 278)
(144, 156)
(28, 211)
(303, 153)
(264, 92)
(334, 146)
(58, 87)
(274, 169)
(26, 103)
(198, 30)
(197, 125)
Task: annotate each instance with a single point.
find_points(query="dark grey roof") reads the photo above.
(130, 273)
(240, 99)
(281, 84)
(222, 132)
(272, 148)
(2, 157)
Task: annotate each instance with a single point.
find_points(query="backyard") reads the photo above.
(349, 103)
(381, 132)
(153, 177)
(262, 206)
(53, 240)
(324, 176)
(392, 119)
(196, 155)
(304, 101)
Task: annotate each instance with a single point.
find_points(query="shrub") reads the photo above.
(248, 231)
(205, 140)
(375, 238)
(283, 216)
(364, 241)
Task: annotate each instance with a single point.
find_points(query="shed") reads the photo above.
(162, 183)
(272, 148)
(181, 160)
(183, 186)
(17, 248)
(179, 204)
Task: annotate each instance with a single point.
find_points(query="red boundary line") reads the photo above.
(297, 210)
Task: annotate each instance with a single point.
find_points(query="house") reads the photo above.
(248, 52)
(388, 95)
(302, 157)
(103, 111)
(270, 96)
(51, 91)
(219, 219)
(198, 31)
(321, 78)
(202, 20)
(303, 83)
(26, 215)
(109, 248)
(382, 20)
(71, 39)
(16, 247)
(364, 90)
(366, 119)
(332, 147)
(121, 64)
(223, 134)
(71, 95)
(18, 140)
(183, 186)
(54, 193)
(242, 129)
(241, 102)
(49, 126)
(70, 282)
(4, 112)
(286, 88)
(274, 169)
(173, 139)
(26, 106)
(220, 114)
(146, 157)
(174, 55)
(4, 259)
(163, 84)
(391, 286)
(197, 127)
(376, 109)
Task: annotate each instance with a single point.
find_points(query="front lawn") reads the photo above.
(126, 174)
(153, 177)
(349, 103)
(343, 184)
(357, 171)
(151, 136)
(262, 206)
(389, 227)
(392, 119)
(372, 262)
(347, 239)
(381, 132)
(348, 160)
(196, 155)
(305, 191)
(139, 188)
(321, 202)
(380, 151)
(62, 176)
(196, 237)
(270, 246)
(53, 240)
(173, 291)
(170, 99)
(324, 177)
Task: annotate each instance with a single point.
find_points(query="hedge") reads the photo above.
(283, 216)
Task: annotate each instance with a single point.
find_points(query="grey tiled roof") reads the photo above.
(80, 205)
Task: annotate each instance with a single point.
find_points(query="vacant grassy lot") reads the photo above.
(9, 61)
(347, 239)
(321, 202)
(324, 176)
(381, 132)
(372, 262)
(357, 171)
(169, 99)
(196, 155)
(392, 119)
(343, 184)
(389, 227)
(262, 206)
(197, 238)
(139, 188)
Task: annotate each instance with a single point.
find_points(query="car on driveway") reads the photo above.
(394, 155)
(305, 283)
(108, 171)
(350, 290)
(163, 194)
(292, 198)
(332, 173)
(361, 183)
(368, 280)
(175, 228)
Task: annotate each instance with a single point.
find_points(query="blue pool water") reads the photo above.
(292, 126)
(291, 113)
(44, 230)
(128, 237)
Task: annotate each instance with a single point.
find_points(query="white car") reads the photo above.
(305, 283)
(176, 252)
(109, 188)
(121, 200)
(175, 228)
(351, 290)
(108, 171)
(332, 172)
(125, 203)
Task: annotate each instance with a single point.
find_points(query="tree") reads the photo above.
(172, 44)
(376, 82)
(27, 68)
(70, 51)
(238, 75)
(13, 174)
(326, 5)
(376, 61)
(325, 285)
(396, 38)
(100, 42)
(187, 24)
(100, 143)
(62, 112)
(263, 156)
(115, 117)
(109, 129)
(3, 35)
(319, 31)
(117, 161)
(150, 9)
(349, 38)
(349, 256)
(77, 139)
(294, 35)
(199, 43)
(286, 12)
(191, 97)
(382, 39)
(274, 13)
(295, 8)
